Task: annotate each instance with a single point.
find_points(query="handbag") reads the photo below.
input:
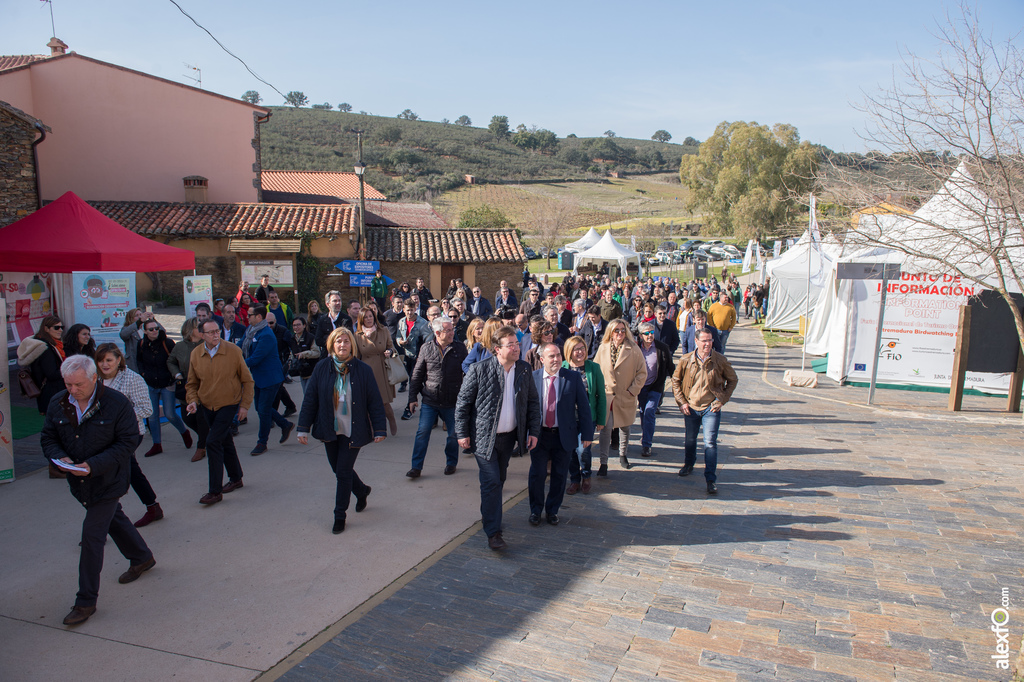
(294, 367)
(28, 385)
(395, 369)
(179, 389)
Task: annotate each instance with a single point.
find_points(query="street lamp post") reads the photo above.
(360, 168)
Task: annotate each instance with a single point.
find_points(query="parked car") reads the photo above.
(690, 245)
(530, 253)
(701, 254)
(668, 246)
(732, 251)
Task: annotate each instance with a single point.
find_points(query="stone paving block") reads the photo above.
(787, 672)
(889, 654)
(707, 642)
(737, 664)
(683, 672)
(832, 644)
(684, 621)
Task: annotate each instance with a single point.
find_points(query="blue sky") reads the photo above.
(571, 67)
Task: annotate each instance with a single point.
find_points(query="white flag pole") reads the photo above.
(812, 228)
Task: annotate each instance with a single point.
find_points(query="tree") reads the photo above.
(389, 134)
(463, 121)
(661, 136)
(609, 133)
(345, 107)
(252, 97)
(445, 121)
(549, 220)
(408, 115)
(326, 106)
(296, 99)
(499, 127)
(484, 218)
(747, 178)
(691, 142)
(953, 123)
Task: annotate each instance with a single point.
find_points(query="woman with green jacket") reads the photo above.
(593, 379)
(379, 290)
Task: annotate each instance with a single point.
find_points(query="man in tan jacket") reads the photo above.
(219, 386)
(703, 382)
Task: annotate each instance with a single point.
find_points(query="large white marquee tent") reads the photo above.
(609, 251)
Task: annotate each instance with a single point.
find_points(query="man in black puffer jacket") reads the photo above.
(94, 428)
(438, 376)
(498, 409)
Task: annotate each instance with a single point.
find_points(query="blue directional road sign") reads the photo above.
(359, 266)
(360, 280)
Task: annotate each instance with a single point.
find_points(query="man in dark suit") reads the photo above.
(480, 306)
(700, 321)
(592, 331)
(666, 328)
(230, 329)
(564, 419)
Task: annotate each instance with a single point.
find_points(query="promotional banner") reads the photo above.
(102, 299)
(198, 289)
(6, 439)
(28, 298)
(919, 329)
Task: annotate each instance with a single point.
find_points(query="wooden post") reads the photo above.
(963, 343)
(1016, 381)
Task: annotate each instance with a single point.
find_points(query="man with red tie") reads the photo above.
(565, 419)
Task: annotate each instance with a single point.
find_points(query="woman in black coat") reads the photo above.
(154, 349)
(78, 341)
(42, 355)
(302, 346)
(342, 407)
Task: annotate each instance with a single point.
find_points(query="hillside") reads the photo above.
(420, 159)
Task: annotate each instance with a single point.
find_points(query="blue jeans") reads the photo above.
(428, 417)
(649, 401)
(492, 479)
(710, 421)
(725, 337)
(165, 396)
(263, 399)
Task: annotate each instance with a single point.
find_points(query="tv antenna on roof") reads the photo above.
(198, 80)
(52, 26)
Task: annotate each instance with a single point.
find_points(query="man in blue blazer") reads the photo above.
(564, 419)
(260, 349)
(700, 321)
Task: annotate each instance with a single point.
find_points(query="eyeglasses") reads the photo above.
(57, 326)
(214, 331)
(619, 331)
(513, 344)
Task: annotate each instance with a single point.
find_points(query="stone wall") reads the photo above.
(18, 196)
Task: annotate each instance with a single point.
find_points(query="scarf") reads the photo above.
(615, 353)
(369, 331)
(342, 383)
(250, 333)
(59, 345)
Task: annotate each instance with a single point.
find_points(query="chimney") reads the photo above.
(195, 189)
(57, 47)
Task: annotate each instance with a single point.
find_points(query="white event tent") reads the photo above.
(585, 242)
(787, 300)
(609, 251)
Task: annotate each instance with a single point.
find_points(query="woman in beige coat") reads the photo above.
(625, 373)
(373, 345)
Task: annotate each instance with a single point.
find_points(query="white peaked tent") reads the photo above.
(787, 298)
(607, 250)
(585, 242)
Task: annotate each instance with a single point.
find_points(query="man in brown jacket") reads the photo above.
(703, 382)
(219, 386)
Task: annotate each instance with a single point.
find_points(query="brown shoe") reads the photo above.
(211, 498)
(200, 453)
(231, 485)
(153, 513)
(586, 485)
(496, 542)
(572, 489)
(79, 614)
(135, 571)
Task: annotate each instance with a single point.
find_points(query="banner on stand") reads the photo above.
(102, 299)
(198, 289)
(6, 439)
(28, 298)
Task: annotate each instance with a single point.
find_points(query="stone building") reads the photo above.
(19, 133)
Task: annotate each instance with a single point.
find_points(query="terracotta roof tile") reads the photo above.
(443, 246)
(13, 61)
(386, 213)
(181, 220)
(327, 183)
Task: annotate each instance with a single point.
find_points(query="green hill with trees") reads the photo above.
(408, 158)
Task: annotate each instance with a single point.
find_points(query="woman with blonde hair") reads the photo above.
(343, 409)
(373, 345)
(625, 373)
(593, 381)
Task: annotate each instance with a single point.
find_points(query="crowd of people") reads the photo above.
(546, 374)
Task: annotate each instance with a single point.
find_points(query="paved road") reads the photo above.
(846, 543)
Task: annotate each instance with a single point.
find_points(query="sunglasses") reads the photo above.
(57, 326)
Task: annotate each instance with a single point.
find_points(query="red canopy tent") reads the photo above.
(69, 235)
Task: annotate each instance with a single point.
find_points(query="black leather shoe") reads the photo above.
(449, 470)
(624, 463)
(496, 542)
(79, 614)
(413, 473)
(134, 572)
(712, 489)
(407, 415)
(534, 519)
(287, 431)
(339, 526)
(686, 470)
(603, 471)
(553, 519)
(646, 452)
(361, 499)
(259, 449)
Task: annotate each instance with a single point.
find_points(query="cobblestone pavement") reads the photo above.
(846, 543)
